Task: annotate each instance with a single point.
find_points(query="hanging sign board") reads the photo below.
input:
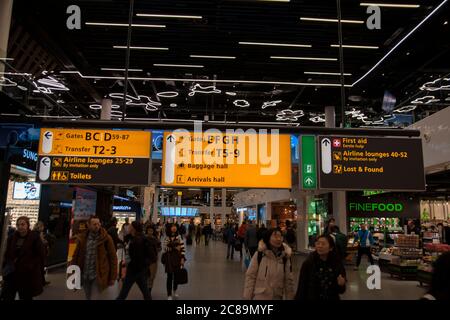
(72, 156)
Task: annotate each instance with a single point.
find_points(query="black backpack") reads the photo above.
(290, 236)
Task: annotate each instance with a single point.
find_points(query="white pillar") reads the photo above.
(340, 210)
(155, 205)
(106, 109)
(330, 117)
(211, 207)
(6, 7)
(148, 196)
(339, 197)
(268, 214)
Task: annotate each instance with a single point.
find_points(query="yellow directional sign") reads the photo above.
(104, 157)
(94, 143)
(247, 160)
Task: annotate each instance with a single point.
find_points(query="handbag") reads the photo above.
(8, 269)
(247, 259)
(181, 276)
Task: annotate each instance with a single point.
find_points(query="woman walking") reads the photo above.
(173, 259)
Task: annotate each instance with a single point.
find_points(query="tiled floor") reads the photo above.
(212, 277)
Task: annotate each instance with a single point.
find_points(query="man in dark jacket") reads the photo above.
(96, 256)
(207, 232)
(251, 239)
(141, 255)
(155, 247)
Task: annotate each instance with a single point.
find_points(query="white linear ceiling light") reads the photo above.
(232, 94)
(134, 25)
(331, 20)
(326, 73)
(172, 16)
(303, 58)
(301, 84)
(401, 41)
(211, 57)
(178, 65)
(15, 74)
(355, 46)
(275, 44)
(140, 48)
(389, 5)
(118, 69)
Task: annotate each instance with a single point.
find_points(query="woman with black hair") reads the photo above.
(269, 276)
(322, 276)
(440, 281)
(173, 259)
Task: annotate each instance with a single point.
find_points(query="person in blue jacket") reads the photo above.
(365, 239)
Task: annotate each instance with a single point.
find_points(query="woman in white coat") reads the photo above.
(269, 276)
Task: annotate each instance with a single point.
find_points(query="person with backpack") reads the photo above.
(251, 239)
(269, 276)
(207, 232)
(365, 239)
(141, 254)
(155, 247)
(230, 236)
(322, 276)
(173, 259)
(182, 231)
(340, 240)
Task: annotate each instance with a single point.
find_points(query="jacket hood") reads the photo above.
(287, 251)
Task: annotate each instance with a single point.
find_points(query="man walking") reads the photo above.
(365, 242)
(95, 255)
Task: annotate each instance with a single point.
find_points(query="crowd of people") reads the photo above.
(269, 274)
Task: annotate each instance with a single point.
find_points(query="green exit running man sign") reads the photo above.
(308, 163)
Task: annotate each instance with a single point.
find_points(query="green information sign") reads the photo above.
(308, 161)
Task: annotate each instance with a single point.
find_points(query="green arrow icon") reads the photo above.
(309, 181)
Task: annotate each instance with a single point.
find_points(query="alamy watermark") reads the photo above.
(225, 148)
